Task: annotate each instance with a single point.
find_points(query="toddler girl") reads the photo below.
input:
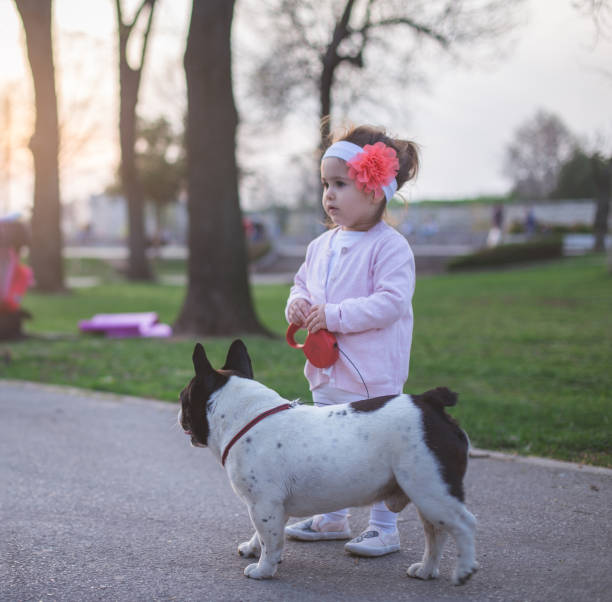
(357, 281)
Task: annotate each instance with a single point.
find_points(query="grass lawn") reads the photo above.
(528, 350)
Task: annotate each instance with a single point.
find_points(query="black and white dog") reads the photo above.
(285, 459)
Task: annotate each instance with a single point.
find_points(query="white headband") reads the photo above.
(346, 151)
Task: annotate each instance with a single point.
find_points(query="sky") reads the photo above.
(462, 119)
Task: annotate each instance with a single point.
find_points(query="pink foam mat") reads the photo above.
(126, 325)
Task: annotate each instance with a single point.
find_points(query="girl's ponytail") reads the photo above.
(408, 155)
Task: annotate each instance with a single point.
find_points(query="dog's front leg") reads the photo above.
(269, 521)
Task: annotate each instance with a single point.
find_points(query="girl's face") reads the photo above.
(345, 204)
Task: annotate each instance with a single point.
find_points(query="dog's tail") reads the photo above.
(440, 398)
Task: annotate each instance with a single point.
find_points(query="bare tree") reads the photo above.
(315, 45)
(129, 81)
(587, 176)
(218, 300)
(538, 150)
(46, 247)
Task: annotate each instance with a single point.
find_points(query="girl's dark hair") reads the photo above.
(407, 151)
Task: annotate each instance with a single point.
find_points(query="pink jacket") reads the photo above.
(368, 306)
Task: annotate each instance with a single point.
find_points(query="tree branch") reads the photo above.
(147, 30)
(341, 30)
(421, 29)
(299, 27)
(140, 9)
(119, 11)
(600, 12)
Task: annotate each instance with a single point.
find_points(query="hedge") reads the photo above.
(549, 247)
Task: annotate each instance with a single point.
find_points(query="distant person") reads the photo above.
(357, 281)
(85, 235)
(530, 222)
(497, 225)
(429, 228)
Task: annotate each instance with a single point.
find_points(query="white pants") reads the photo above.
(380, 516)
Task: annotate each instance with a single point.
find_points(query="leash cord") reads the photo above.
(356, 369)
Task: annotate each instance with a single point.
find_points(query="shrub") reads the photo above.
(549, 247)
(575, 228)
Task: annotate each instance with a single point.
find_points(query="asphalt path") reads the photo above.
(102, 498)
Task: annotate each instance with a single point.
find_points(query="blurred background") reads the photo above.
(508, 103)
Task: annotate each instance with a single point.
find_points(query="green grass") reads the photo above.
(528, 350)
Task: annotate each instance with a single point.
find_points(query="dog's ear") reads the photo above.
(238, 359)
(200, 361)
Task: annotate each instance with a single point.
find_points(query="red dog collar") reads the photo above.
(285, 406)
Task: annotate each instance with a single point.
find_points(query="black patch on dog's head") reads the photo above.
(194, 397)
(370, 405)
(444, 437)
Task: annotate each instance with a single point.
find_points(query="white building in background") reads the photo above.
(468, 223)
(105, 221)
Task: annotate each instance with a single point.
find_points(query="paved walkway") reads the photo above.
(102, 498)
(277, 268)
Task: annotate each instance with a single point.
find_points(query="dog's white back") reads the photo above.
(339, 457)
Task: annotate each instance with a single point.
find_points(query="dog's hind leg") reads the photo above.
(269, 521)
(462, 531)
(251, 548)
(434, 543)
(452, 517)
(444, 512)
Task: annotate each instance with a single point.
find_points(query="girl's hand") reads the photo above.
(316, 318)
(298, 311)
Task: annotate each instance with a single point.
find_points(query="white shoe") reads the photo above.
(374, 543)
(311, 529)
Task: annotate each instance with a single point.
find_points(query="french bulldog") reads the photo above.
(290, 459)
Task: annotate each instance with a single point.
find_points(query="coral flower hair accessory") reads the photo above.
(374, 168)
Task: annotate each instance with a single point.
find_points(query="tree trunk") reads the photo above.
(46, 246)
(329, 61)
(218, 300)
(129, 83)
(600, 227)
(603, 186)
(610, 202)
(138, 265)
(325, 87)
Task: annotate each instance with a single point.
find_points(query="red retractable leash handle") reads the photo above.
(321, 347)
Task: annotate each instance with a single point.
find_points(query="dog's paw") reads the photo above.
(248, 550)
(461, 575)
(254, 571)
(419, 571)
